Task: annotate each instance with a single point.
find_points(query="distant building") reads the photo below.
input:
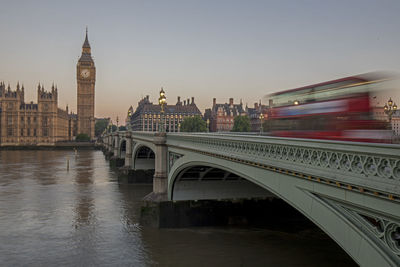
(221, 116)
(41, 123)
(396, 122)
(379, 114)
(147, 115)
(254, 115)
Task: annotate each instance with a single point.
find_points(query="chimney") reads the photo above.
(179, 100)
(192, 100)
(214, 101)
(230, 101)
(188, 101)
(256, 105)
(184, 102)
(270, 103)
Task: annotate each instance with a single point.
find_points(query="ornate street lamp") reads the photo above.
(208, 125)
(261, 123)
(390, 108)
(162, 101)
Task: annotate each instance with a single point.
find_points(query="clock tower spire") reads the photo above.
(86, 78)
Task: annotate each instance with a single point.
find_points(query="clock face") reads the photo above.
(85, 73)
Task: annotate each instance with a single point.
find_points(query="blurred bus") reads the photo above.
(335, 110)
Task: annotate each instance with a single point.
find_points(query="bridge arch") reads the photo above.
(199, 180)
(328, 210)
(143, 157)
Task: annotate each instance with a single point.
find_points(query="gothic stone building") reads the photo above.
(32, 124)
(148, 116)
(44, 123)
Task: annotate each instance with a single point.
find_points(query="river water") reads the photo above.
(52, 216)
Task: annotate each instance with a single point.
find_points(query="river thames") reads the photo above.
(52, 216)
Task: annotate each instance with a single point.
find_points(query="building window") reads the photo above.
(29, 120)
(34, 119)
(9, 120)
(34, 132)
(28, 133)
(45, 132)
(44, 121)
(22, 119)
(22, 132)
(9, 131)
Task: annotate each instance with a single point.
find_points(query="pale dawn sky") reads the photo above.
(205, 49)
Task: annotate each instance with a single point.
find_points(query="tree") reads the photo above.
(193, 124)
(82, 137)
(241, 124)
(100, 126)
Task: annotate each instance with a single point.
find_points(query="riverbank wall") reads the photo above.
(56, 146)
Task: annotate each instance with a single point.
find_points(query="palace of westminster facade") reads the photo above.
(44, 123)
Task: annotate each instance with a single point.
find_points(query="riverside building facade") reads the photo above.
(41, 123)
(147, 115)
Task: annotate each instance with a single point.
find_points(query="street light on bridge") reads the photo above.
(390, 108)
(261, 123)
(162, 101)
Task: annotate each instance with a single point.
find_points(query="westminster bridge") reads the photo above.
(350, 190)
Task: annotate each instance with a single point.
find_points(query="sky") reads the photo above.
(204, 49)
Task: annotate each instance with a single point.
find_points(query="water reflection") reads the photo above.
(84, 203)
(50, 216)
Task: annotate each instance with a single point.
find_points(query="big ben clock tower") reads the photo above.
(86, 78)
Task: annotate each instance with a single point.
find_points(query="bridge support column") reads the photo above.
(160, 179)
(128, 153)
(115, 160)
(108, 146)
(116, 146)
(108, 143)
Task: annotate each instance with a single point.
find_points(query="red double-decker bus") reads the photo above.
(335, 110)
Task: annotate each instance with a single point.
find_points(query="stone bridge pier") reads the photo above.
(160, 180)
(135, 162)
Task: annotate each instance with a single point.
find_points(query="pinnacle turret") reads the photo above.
(86, 43)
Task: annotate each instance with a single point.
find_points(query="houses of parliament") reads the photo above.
(45, 123)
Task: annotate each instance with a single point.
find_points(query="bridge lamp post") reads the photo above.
(161, 101)
(208, 125)
(389, 108)
(261, 123)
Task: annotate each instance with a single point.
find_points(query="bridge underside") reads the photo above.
(144, 159)
(202, 182)
(370, 237)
